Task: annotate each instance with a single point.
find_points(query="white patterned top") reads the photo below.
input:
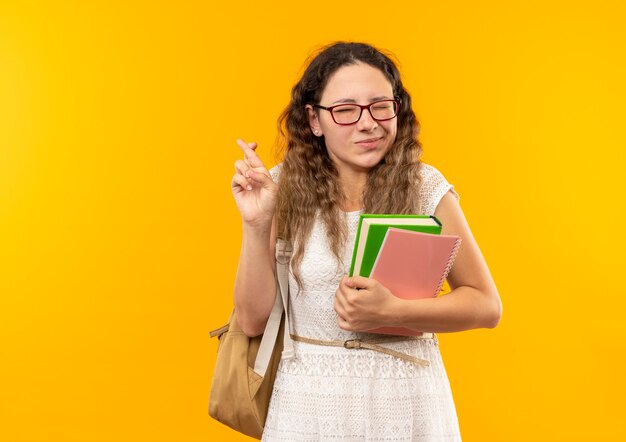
(330, 393)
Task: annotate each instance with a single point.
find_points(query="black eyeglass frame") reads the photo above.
(362, 106)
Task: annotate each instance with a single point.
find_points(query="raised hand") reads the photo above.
(253, 188)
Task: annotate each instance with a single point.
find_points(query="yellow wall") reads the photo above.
(119, 238)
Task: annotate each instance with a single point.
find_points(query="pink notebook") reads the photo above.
(413, 265)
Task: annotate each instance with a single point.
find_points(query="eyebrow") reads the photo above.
(352, 100)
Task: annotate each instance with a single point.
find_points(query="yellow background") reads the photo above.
(119, 238)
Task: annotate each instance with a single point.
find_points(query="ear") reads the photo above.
(314, 121)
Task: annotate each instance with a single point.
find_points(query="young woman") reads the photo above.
(351, 147)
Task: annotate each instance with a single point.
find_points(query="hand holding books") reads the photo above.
(361, 303)
(410, 263)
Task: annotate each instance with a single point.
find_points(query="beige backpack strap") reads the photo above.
(283, 256)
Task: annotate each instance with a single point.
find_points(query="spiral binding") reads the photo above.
(455, 250)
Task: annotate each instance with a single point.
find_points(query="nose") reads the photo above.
(366, 123)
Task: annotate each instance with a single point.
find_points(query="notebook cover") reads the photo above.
(413, 265)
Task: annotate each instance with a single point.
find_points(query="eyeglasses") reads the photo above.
(346, 114)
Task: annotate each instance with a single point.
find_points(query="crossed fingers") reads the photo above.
(249, 170)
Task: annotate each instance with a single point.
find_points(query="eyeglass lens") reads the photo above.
(350, 113)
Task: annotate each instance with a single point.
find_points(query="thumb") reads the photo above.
(359, 282)
(261, 178)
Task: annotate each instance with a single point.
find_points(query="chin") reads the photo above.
(370, 163)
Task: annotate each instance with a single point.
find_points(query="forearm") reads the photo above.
(464, 308)
(255, 283)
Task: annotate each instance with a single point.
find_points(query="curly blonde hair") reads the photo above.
(309, 182)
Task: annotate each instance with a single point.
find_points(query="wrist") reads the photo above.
(393, 314)
(257, 228)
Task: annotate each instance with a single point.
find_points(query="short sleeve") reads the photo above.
(275, 172)
(432, 188)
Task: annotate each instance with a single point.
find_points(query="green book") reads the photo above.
(371, 233)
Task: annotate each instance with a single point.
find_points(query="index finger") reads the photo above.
(250, 154)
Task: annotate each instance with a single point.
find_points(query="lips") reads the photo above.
(369, 143)
(369, 140)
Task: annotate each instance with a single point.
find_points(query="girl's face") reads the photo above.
(360, 146)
